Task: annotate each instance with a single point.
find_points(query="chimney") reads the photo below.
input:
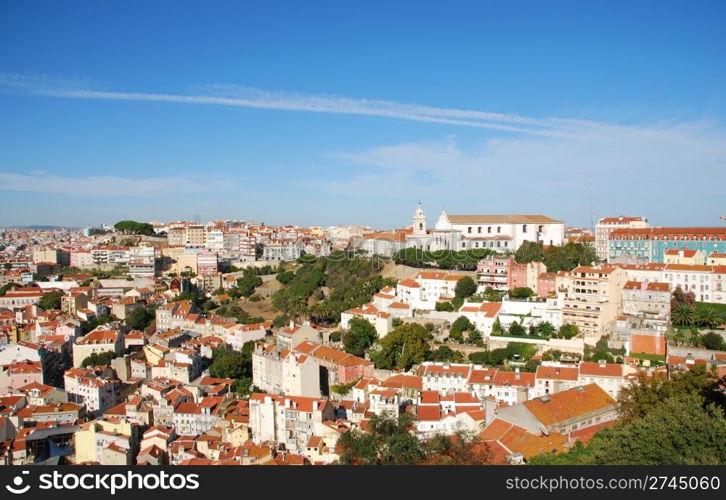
(517, 376)
(601, 362)
(490, 410)
(292, 324)
(315, 406)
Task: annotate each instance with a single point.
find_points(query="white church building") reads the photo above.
(496, 232)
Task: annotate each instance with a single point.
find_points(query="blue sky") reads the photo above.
(351, 112)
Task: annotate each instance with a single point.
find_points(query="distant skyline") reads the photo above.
(351, 114)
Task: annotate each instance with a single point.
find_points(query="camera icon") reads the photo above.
(17, 488)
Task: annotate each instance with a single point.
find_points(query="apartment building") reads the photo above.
(592, 301)
(97, 342)
(279, 371)
(97, 390)
(288, 420)
(651, 244)
(607, 225)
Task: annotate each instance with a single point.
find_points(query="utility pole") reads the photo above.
(592, 207)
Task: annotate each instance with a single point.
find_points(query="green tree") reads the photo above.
(713, 340)
(402, 348)
(242, 387)
(133, 227)
(465, 287)
(639, 399)
(446, 354)
(50, 300)
(461, 325)
(359, 337)
(521, 293)
(285, 277)
(456, 335)
(98, 359)
(567, 331)
(280, 321)
(707, 317)
(497, 328)
(678, 431)
(6, 287)
(140, 318)
(531, 365)
(529, 251)
(247, 284)
(479, 358)
(682, 315)
(388, 441)
(517, 329)
(461, 448)
(474, 337)
(545, 329)
(444, 306)
(227, 363)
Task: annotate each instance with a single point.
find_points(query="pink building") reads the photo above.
(546, 285)
(504, 273)
(517, 276)
(20, 373)
(494, 272)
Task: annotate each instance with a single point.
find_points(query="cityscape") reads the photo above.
(507, 247)
(233, 342)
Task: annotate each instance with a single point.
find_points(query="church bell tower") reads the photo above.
(419, 221)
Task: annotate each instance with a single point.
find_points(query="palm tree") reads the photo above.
(708, 317)
(682, 315)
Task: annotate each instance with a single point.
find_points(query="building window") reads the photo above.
(524, 228)
(499, 229)
(469, 230)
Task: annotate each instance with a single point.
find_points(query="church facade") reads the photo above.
(501, 233)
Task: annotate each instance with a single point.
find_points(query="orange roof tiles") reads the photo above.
(565, 405)
(556, 372)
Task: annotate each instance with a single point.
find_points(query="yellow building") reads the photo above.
(592, 300)
(105, 442)
(684, 256)
(716, 259)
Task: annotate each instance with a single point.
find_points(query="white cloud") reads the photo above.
(240, 96)
(114, 186)
(679, 168)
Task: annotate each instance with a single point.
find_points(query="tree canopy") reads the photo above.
(465, 287)
(98, 359)
(557, 258)
(443, 259)
(387, 442)
(227, 363)
(359, 337)
(140, 318)
(133, 227)
(50, 300)
(663, 422)
(403, 347)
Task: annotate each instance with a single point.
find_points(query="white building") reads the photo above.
(606, 225)
(288, 420)
(97, 391)
(285, 372)
(497, 232)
